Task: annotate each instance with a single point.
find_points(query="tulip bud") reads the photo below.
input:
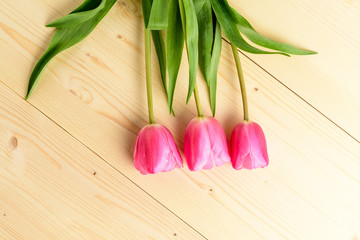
(248, 146)
(205, 144)
(156, 151)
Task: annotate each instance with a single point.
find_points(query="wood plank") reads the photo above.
(330, 80)
(96, 92)
(53, 187)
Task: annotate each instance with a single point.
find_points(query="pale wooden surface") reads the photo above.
(85, 113)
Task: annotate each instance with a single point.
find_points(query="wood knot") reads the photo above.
(207, 188)
(83, 94)
(13, 143)
(73, 91)
(256, 89)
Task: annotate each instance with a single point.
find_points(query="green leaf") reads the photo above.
(75, 18)
(155, 14)
(189, 20)
(214, 65)
(225, 16)
(245, 27)
(206, 34)
(67, 36)
(146, 7)
(159, 43)
(174, 47)
(209, 46)
(161, 54)
(157, 39)
(158, 19)
(87, 5)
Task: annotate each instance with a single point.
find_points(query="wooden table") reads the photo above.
(66, 167)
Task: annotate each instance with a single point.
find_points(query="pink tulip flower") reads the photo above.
(205, 144)
(156, 151)
(248, 146)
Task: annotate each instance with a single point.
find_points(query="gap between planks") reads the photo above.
(106, 162)
(109, 164)
(293, 92)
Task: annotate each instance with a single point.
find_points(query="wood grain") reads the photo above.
(330, 80)
(53, 187)
(96, 92)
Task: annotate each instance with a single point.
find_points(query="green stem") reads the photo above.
(197, 101)
(148, 75)
(242, 82)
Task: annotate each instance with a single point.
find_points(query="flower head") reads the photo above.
(248, 146)
(156, 151)
(205, 144)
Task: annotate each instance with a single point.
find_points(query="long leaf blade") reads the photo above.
(161, 54)
(66, 37)
(246, 28)
(214, 65)
(189, 19)
(76, 17)
(87, 5)
(174, 47)
(158, 19)
(146, 8)
(159, 43)
(206, 34)
(39, 69)
(225, 17)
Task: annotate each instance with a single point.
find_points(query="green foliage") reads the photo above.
(71, 30)
(174, 47)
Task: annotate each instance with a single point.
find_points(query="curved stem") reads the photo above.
(197, 101)
(242, 82)
(148, 75)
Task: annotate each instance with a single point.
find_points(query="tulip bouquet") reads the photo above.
(170, 25)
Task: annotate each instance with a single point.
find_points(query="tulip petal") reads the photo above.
(210, 163)
(219, 147)
(205, 144)
(172, 146)
(258, 147)
(139, 153)
(155, 150)
(240, 146)
(248, 146)
(197, 144)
